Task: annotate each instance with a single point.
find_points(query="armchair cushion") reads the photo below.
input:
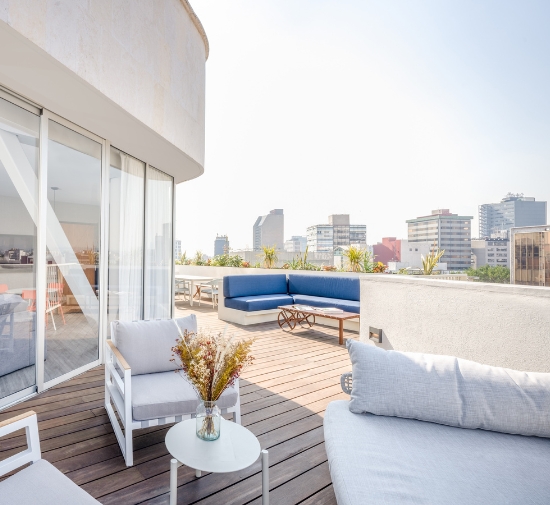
(448, 390)
(42, 484)
(168, 394)
(146, 345)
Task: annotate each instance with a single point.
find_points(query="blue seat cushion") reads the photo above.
(258, 302)
(318, 301)
(328, 286)
(251, 285)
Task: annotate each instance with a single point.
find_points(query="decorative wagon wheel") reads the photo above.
(286, 320)
(304, 319)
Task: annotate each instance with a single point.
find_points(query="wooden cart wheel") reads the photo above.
(284, 320)
(306, 319)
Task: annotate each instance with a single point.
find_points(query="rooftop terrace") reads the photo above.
(284, 396)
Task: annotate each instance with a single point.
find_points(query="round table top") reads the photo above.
(237, 447)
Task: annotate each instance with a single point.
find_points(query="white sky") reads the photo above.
(383, 110)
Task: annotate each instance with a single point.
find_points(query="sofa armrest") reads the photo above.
(346, 381)
(29, 421)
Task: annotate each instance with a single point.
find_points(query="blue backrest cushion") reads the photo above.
(327, 286)
(253, 285)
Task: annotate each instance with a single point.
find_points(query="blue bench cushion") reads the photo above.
(251, 285)
(259, 302)
(326, 286)
(317, 301)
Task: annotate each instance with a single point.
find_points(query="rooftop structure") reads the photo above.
(88, 167)
(445, 231)
(530, 256)
(269, 230)
(514, 210)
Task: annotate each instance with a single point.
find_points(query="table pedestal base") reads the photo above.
(175, 464)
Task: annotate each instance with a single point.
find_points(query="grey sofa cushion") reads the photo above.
(449, 390)
(169, 394)
(146, 345)
(42, 484)
(392, 461)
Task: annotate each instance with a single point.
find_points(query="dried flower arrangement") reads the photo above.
(211, 363)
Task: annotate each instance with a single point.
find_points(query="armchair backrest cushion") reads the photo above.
(147, 345)
(253, 285)
(326, 286)
(448, 390)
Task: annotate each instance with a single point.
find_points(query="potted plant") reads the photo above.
(210, 363)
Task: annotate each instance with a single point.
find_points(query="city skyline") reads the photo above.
(375, 109)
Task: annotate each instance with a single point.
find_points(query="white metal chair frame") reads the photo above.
(210, 288)
(118, 394)
(32, 453)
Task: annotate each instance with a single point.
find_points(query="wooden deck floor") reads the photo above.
(283, 397)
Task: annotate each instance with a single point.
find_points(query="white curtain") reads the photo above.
(126, 237)
(158, 245)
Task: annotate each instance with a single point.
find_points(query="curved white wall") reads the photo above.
(146, 56)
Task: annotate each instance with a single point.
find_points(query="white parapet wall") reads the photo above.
(494, 324)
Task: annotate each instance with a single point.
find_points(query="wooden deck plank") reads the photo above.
(284, 395)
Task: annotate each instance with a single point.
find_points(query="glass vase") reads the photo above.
(208, 421)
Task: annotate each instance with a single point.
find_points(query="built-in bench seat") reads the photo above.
(250, 299)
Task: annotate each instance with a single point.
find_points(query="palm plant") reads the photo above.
(354, 258)
(269, 256)
(431, 261)
(368, 262)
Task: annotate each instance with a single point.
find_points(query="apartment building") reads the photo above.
(490, 251)
(296, 244)
(530, 256)
(221, 245)
(446, 231)
(337, 233)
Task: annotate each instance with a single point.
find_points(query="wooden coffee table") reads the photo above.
(295, 315)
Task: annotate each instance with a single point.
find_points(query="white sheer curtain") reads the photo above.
(158, 245)
(126, 212)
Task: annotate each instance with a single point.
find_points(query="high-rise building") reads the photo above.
(530, 256)
(337, 233)
(445, 231)
(514, 210)
(490, 251)
(177, 249)
(269, 230)
(221, 245)
(296, 244)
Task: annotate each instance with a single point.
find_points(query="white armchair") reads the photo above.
(141, 383)
(40, 483)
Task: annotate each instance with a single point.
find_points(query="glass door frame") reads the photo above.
(41, 281)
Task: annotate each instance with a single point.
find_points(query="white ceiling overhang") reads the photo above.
(31, 72)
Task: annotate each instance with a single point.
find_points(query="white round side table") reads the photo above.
(237, 448)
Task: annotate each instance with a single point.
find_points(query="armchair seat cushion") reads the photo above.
(42, 484)
(168, 394)
(318, 301)
(378, 459)
(258, 302)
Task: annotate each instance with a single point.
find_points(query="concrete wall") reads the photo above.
(495, 324)
(146, 56)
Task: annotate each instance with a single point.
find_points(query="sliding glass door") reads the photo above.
(73, 251)
(19, 150)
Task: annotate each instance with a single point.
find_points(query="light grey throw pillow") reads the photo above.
(448, 390)
(146, 345)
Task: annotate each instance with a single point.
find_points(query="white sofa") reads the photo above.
(437, 430)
